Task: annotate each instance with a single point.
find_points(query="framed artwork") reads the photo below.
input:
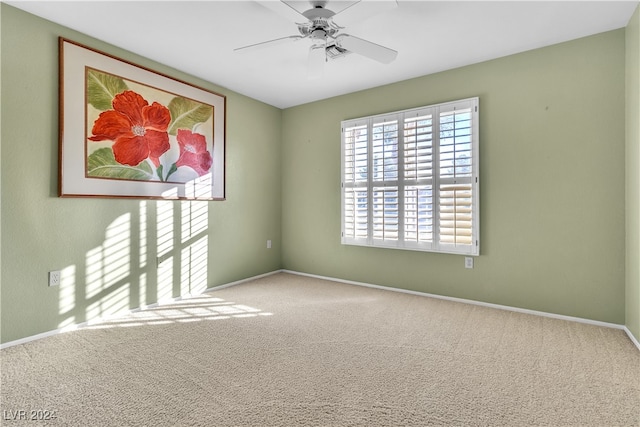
(127, 131)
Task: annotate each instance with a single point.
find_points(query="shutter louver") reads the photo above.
(418, 213)
(455, 144)
(418, 148)
(385, 151)
(355, 213)
(385, 213)
(355, 154)
(456, 214)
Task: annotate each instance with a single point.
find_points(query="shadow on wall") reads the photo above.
(146, 257)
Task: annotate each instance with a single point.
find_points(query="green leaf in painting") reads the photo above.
(102, 88)
(172, 169)
(185, 114)
(102, 164)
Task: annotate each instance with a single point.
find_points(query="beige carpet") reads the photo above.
(287, 350)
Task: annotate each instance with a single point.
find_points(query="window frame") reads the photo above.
(358, 212)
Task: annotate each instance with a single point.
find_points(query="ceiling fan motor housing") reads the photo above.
(320, 25)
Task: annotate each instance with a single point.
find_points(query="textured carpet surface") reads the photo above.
(287, 350)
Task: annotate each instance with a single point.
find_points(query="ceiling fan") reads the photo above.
(327, 40)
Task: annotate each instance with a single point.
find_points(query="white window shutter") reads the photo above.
(355, 175)
(410, 179)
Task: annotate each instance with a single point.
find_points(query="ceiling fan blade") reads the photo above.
(275, 42)
(335, 6)
(283, 9)
(362, 10)
(317, 58)
(366, 48)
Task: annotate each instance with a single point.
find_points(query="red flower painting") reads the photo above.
(138, 129)
(193, 152)
(145, 134)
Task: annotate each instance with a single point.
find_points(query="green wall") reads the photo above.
(553, 141)
(552, 210)
(632, 46)
(84, 237)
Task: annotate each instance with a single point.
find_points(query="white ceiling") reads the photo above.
(198, 37)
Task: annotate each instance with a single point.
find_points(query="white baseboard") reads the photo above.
(480, 303)
(238, 282)
(334, 279)
(632, 338)
(91, 322)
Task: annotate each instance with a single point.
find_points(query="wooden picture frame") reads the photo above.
(128, 131)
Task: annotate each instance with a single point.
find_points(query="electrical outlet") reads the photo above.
(468, 262)
(54, 278)
(268, 244)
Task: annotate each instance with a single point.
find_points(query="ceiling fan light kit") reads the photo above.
(327, 42)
